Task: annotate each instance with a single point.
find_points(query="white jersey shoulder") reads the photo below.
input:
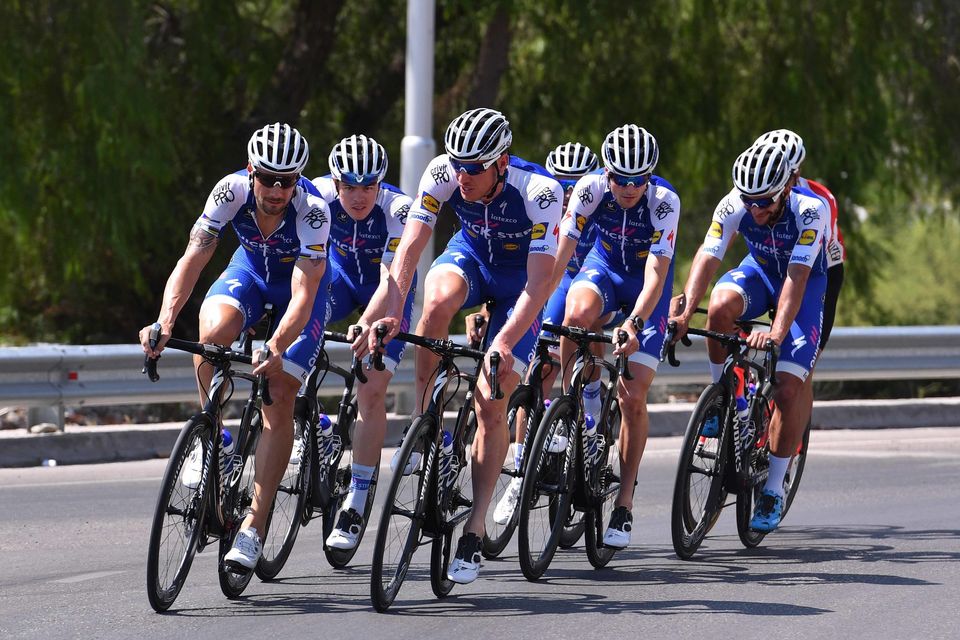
(223, 203)
(436, 186)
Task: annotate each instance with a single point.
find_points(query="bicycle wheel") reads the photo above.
(698, 493)
(179, 517)
(398, 533)
(290, 509)
(455, 503)
(547, 488)
(497, 536)
(238, 496)
(758, 463)
(604, 478)
(340, 558)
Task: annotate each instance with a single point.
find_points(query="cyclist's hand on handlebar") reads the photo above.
(359, 333)
(506, 357)
(632, 344)
(393, 328)
(682, 322)
(145, 338)
(268, 361)
(758, 339)
(476, 327)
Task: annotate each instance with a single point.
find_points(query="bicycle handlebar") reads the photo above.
(623, 366)
(495, 392)
(376, 357)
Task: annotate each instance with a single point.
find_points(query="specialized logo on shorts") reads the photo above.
(393, 244)
(807, 237)
(716, 231)
(581, 221)
(430, 203)
(798, 344)
(539, 230)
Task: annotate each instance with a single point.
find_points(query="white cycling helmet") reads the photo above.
(762, 169)
(358, 160)
(630, 151)
(572, 159)
(796, 152)
(478, 135)
(278, 148)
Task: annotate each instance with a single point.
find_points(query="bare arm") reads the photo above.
(701, 275)
(529, 304)
(565, 249)
(180, 284)
(790, 298)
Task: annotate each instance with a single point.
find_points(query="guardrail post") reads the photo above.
(49, 414)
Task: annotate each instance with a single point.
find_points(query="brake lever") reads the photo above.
(358, 362)
(623, 366)
(150, 364)
(495, 392)
(377, 357)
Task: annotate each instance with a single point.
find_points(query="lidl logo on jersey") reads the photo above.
(807, 237)
(642, 254)
(430, 203)
(539, 230)
(716, 231)
(655, 238)
(393, 244)
(581, 221)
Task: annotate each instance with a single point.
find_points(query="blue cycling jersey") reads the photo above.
(359, 247)
(301, 234)
(588, 238)
(625, 237)
(796, 238)
(523, 219)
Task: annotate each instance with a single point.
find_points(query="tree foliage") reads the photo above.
(121, 116)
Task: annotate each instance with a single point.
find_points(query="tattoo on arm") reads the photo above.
(202, 240)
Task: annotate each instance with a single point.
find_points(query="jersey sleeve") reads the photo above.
(436, 186)
(812, 224)
(836, 253)
(583, 203)
(326, 187)
(544, 206)
(313, 227)
(397, 211)
(666, 218)
(223, 203)
(724, 224)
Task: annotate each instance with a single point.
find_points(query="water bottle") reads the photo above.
(227, 447)
(448, 465)
(592, 438)
(326, 442)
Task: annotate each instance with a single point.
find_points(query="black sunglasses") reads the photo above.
(274, 180)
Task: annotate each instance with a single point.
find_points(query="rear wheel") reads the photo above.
(455, 502)
(546, 491)
(290, 507)
(604, 478)
(519, 411)
(758, 464)
(178, 519)
(795, 472)
(238, 490)
(698, 493)
(398, 533)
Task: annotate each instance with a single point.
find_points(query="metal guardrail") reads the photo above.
(98, 375)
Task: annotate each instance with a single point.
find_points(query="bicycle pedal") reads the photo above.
(236, 568)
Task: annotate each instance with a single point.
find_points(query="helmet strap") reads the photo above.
(501, 177)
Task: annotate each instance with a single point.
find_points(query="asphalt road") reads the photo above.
(871, 549)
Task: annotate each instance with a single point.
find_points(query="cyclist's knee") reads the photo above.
(726, 306)
(788, 389)
(582, 310)
(219, 324)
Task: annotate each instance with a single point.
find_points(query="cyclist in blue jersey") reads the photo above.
(630, 268)
(282, 224)
(368, 219)
(509, 214)
(785, 270)
(567, 163)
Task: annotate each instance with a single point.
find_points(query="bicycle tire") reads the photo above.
(699, 477)
(497, 536)
(188, 506)
(548, 479)
(758, 461)
(290, 509)
(605, 486)
(398, 532)
(238, 497)
(795, 472)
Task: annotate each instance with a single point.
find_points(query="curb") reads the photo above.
(94, 445)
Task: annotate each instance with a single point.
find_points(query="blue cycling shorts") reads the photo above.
(241, 288)
(619, 292)
(344, 296)
(798, 353)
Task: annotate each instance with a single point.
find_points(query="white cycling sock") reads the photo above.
(778, 469)
(517, 454)
(591, 398)
(716, 370)
(356, 499)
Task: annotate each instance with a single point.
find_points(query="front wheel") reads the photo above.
(180, 514)
(546, 491)
(698, 493)
(604, 477)
(398, 533)
(237, 501)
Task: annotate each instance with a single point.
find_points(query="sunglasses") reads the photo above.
(359, 179)
(759, 203)
(471, 168)
(273, 180)
(626, 181)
